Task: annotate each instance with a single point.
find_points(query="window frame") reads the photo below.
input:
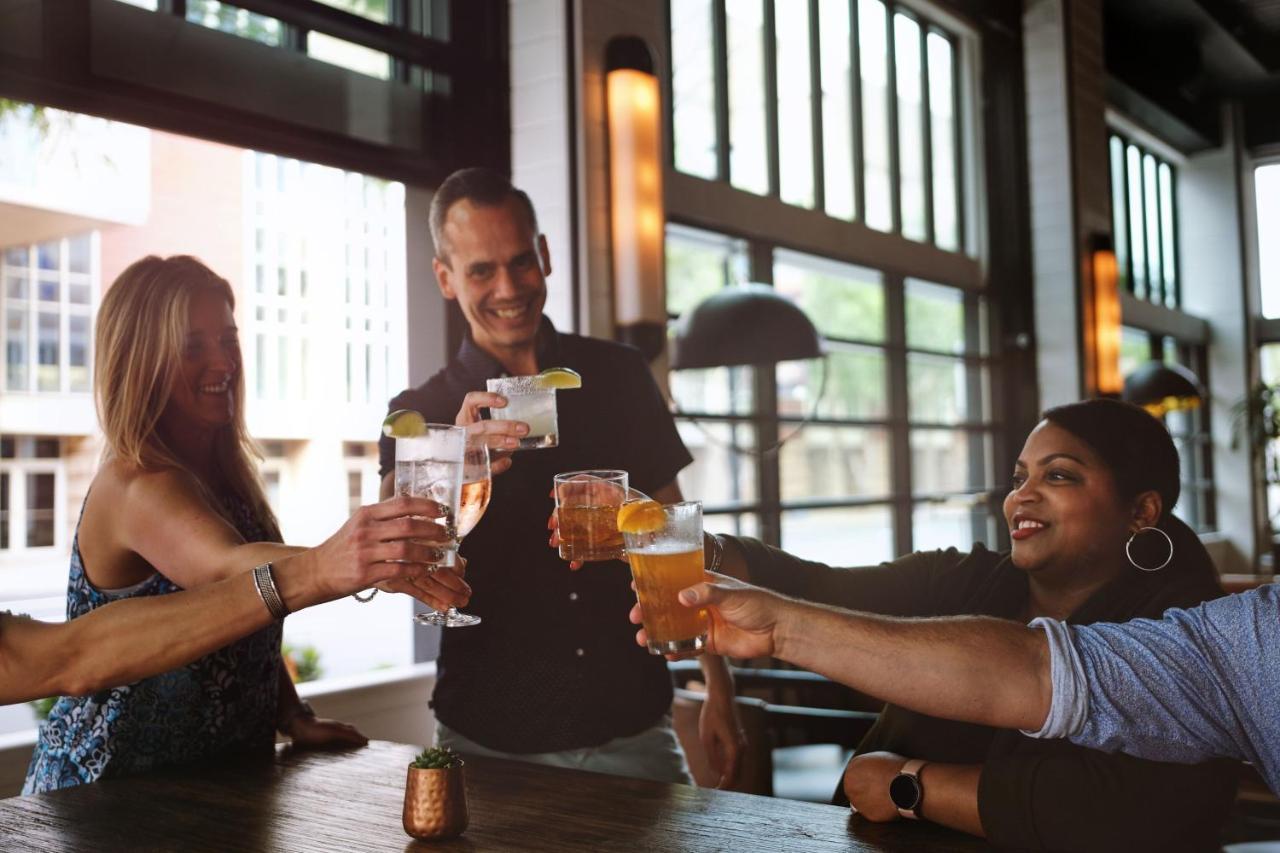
(767, 424)
(19, 468)
(966, 142)
(66, 310)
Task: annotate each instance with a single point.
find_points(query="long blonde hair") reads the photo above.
(141, 331)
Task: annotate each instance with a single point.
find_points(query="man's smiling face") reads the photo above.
(495, 265)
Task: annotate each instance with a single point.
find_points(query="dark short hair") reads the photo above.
(1134, 446)
(477, 185)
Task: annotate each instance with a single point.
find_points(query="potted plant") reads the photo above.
(1257, 419)
(435, 795)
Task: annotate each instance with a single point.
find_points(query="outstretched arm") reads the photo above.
(124, 641)
(976, 669)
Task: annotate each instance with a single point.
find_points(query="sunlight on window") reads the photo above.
(353, 57)
(910, 126)
(693, 87)
(795, 118)
(748, 150)
(873, 43)
(837, 108)
(1267, 189)
(942, 118)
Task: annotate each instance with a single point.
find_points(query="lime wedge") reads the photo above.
(558, 378)
(644, 516)
(404, 423)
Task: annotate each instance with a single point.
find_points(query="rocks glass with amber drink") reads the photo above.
(664, 547)
(587, 504)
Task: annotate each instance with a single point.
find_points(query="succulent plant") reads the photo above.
(437, 758)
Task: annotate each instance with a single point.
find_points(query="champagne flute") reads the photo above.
(477, 486)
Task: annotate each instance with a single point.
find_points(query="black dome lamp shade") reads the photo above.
(744, 324)
(1162, 388)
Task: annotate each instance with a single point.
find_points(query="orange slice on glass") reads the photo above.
(644, 516)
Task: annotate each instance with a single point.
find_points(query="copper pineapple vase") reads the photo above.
(435, 803)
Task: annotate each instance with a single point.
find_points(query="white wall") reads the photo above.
(540, 137)
(1213, 287)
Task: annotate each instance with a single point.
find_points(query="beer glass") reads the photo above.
(663, 562)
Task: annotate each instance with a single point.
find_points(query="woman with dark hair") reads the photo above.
(1093, 540)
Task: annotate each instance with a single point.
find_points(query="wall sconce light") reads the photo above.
(1106, 318)
(637, 214)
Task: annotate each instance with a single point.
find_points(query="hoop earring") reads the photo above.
(1135, 563)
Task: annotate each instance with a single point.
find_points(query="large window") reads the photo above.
(49, 293)
(851, 108)
(1144, 217)
(429, 17)
(890, 451)
(1189, 428)
(30, 485)
(325, 244)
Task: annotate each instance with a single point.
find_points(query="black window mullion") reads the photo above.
(719, 26)
(770, 33)
(1142, 235)
(398, 17)
(926, 134)
(900, 435)
(957, 142)
(1176, 284)
(855, 114)
(1121, 229)
(815, 108)
(1158, 231)
(891, 98)
(768, 474)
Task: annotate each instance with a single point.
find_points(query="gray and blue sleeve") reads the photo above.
(1196, 684)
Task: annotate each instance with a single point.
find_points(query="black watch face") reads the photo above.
(905, 792)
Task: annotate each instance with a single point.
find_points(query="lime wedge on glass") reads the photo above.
(404, 423)
(558, 379)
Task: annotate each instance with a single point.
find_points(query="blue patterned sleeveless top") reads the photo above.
(222, 704)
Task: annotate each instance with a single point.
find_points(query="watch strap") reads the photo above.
(912, 769)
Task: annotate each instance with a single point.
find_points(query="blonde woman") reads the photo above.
(175, 505)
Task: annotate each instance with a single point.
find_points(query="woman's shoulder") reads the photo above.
(121, 486)
(978, 580)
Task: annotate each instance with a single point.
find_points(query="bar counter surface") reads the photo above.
(350, 801)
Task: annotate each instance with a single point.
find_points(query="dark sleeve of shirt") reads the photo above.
(914, 585)
(655, 452)
(1080, 799)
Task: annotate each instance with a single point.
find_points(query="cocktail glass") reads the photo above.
(663, 562)
(431, 466)
(477, 486)
(587, 505)
(531, 402)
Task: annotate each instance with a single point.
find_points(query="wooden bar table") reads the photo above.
(351, 801)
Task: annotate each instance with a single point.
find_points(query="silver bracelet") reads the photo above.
(266, 585)
(717, 553)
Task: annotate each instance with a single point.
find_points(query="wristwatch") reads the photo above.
(906, 791)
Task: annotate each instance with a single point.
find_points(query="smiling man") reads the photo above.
(550, 674)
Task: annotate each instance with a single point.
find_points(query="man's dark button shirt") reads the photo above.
(554, 665)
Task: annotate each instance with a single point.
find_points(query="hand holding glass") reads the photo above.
(477, 486)
(430, 465)
(587, 505)
(531, 401)
(663, 562)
